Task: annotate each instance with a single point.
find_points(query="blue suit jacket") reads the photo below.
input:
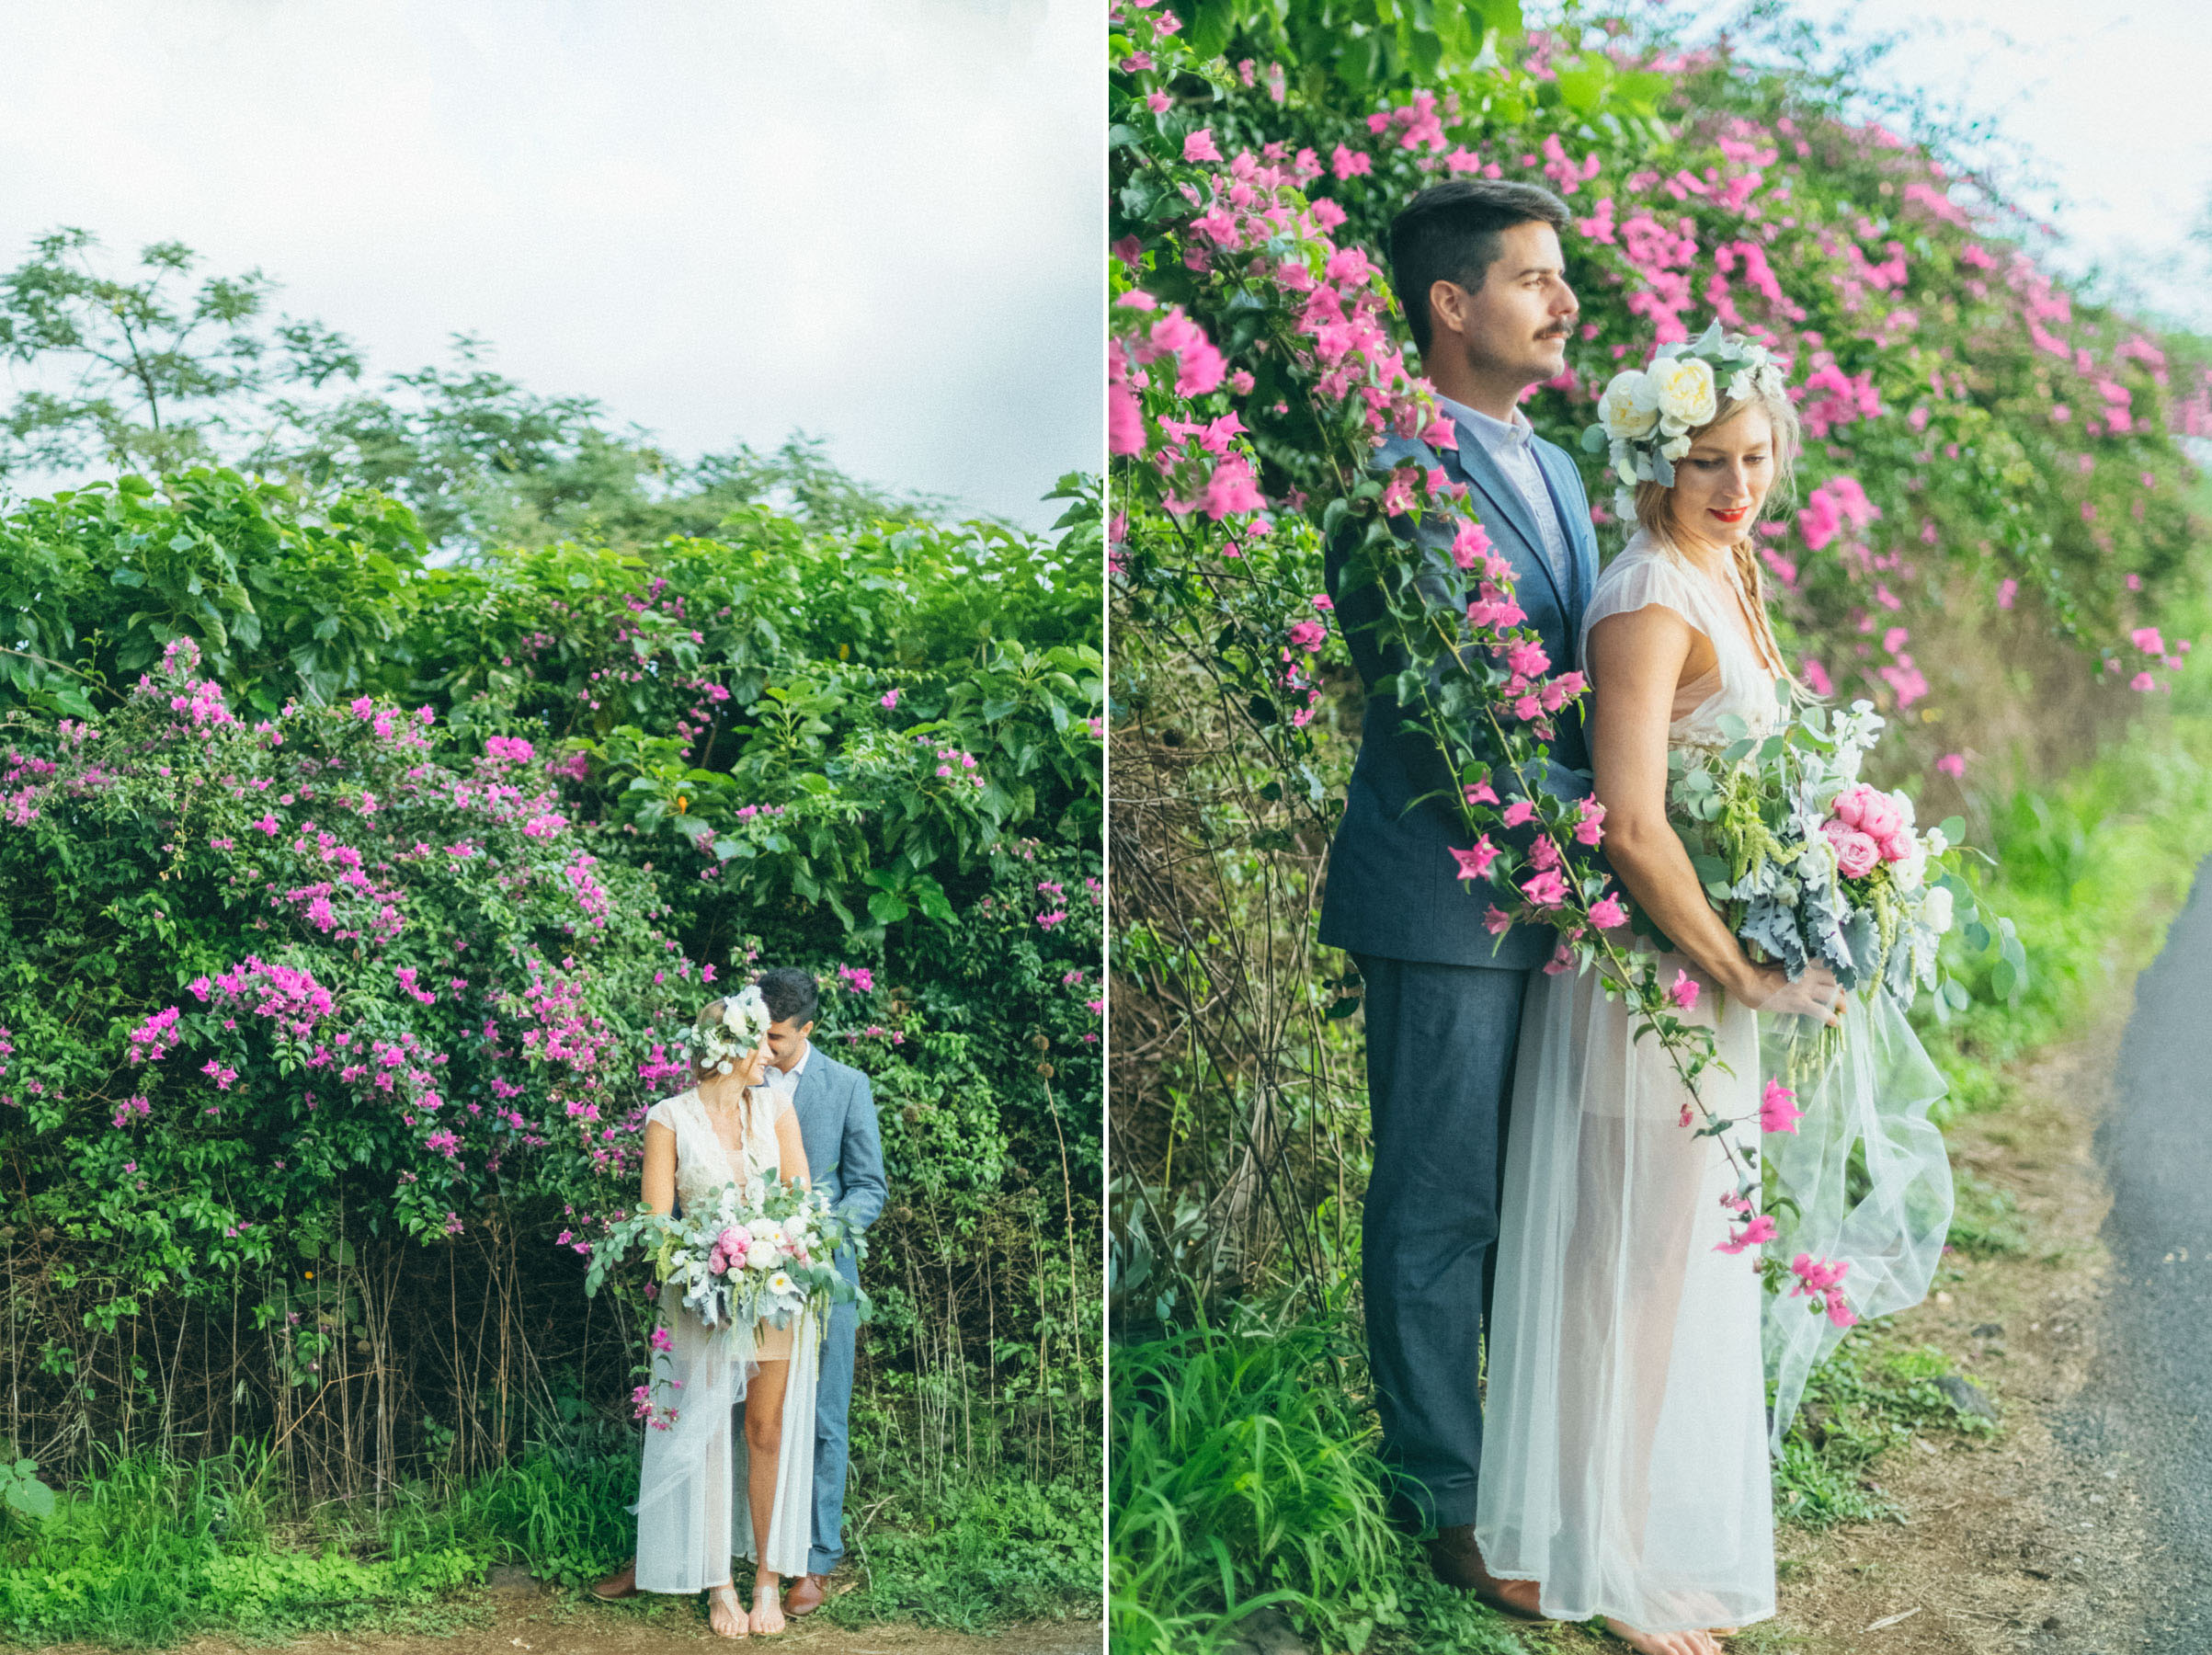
(1393, 889)
(844, 1150)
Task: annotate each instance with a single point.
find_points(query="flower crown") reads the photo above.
(1645, 416)
(741, 1027)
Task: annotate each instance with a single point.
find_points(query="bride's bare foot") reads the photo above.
(767, 1605)
(1664, 1643)
(726, 1614)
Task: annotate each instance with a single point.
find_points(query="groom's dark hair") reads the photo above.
(1450, 233)
(790, 995)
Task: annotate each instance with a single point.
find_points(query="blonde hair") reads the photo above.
(1655, 503)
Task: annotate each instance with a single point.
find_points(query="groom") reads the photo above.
(837, 1122)
(1479, 274)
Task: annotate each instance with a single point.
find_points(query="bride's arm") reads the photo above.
(791, 1148)
(1638, 657)
(660, 1168)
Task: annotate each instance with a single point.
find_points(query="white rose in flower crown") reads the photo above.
(1685, 388)
(1629, 408)
(1674, 448)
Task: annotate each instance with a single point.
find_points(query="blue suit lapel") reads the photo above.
(1580, 536)
(1503, 502)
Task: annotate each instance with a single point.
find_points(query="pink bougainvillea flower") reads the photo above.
(1545, 890)
(1778, 1110)
(1682, 991)
(1200, 146)
(1953, 765)
(1607, 914)
(1476, 864)
(1761, 1229)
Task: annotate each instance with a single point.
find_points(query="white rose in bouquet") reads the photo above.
(1935, 909)
(1686, 396)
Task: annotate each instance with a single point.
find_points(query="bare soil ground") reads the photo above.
(2036, 1540)
(517, 1624)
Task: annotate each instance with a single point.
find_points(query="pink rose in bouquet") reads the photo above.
(1856, 852)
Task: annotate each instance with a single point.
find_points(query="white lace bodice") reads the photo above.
(1648, 572)
(702, 1165)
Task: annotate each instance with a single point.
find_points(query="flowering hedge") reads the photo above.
(304, 955)
(1993, 459)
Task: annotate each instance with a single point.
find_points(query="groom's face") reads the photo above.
(786, 1041)
(1516, 324)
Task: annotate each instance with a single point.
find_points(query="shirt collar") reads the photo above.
(790, 1076)
(1496, 435)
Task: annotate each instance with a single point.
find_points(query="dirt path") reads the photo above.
(2040, 1540)
(509, 1623)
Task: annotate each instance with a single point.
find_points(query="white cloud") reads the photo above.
(725, 219)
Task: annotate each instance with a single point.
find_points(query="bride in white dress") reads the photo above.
(1624, 1465)
(705, 1489)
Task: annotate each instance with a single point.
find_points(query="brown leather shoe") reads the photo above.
(1456, 1561)
(617, 1586)
(807, 1594)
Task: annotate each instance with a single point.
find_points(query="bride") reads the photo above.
(705, 1491)
(1624, 1467)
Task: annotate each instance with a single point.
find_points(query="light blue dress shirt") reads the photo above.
(1508, 443)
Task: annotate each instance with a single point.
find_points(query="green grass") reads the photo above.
(1007, 1550)
(151, 1552)
(1986, 1222)
(1244, 1478)
(1874, 1395)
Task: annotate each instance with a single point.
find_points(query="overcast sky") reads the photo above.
(2113, 101)
(727, 220)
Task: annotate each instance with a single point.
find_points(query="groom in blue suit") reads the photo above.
(845, 1155)
(1479, 274)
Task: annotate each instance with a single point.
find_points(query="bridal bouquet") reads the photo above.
(1811, 866)
(762, 1252)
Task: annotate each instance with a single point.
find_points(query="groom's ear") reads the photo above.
(1448, 303)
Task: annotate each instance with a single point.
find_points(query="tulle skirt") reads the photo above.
(1625, 1457)
(693, 1516)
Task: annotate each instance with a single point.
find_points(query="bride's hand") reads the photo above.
(1816, 994)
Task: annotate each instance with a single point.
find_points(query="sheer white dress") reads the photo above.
(1625, 1457)
(692, 1513)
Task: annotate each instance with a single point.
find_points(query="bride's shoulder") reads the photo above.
(663, 1113)
(1645, 571)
